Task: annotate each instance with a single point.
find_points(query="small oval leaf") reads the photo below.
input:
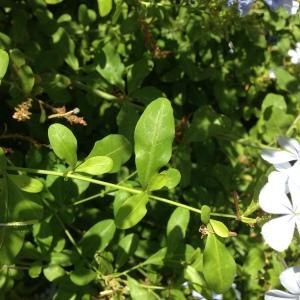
(96, 165)
(219, 228)
(205, 214)
(104, 6)
(63, 143)
(132, 211)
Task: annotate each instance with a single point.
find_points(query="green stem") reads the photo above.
(94, 91)
(293, 125)
(114, 186)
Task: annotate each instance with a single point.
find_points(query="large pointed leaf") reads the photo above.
(219, 267)
(154, 134)
(96, 165)
(63, 143)
(132, 211)
(115, 146)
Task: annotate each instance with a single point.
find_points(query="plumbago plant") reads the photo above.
(131, 141)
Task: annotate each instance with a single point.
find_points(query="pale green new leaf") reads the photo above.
(104, 7)
(96, 165)
(132, 211)
(63, 143)
(219, 228)
(154, 134)
(219, 267)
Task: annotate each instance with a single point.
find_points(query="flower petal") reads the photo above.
(272, 199)
(290, 279)
(278, 233)
(279, 295)
(295, 195)
(290, 145)
(278, 156)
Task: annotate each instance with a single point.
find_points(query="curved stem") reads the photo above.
(114, 186)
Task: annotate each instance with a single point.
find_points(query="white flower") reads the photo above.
(278, 233)
(272, 74)
(198, 296)
(295, 7)
(283, 159)
(290, 279)
(294, 54)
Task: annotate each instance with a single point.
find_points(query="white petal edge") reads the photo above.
(295, 195)
(290, 145)
(278, 156)
(279, 295)
(278, 233)
(290, 279)
(272, 199)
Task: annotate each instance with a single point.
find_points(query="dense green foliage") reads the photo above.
(115, 112)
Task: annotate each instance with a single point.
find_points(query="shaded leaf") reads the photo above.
(97, 237)
(115, 146)
(132, 210)
(26, 183)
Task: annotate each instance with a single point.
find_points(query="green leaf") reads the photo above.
(168, 178)
(95, 165)
(11, 242)
(154, 134)
(82, 275)
(205, 214)
(137, 292)
(52, 2)
(26, 78)
(4, 60)
(63, 143)
(97, 237)
(26, 183)
(35, 269)
(86, 16)
(192, 275)
(219, 267)
(115, 146)
(157, 258)
(109, 65)
(219, 228)
(53, 272)
(138, 72)
(133, 210)
(126, 248)
(104, 6)
(177, 227)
